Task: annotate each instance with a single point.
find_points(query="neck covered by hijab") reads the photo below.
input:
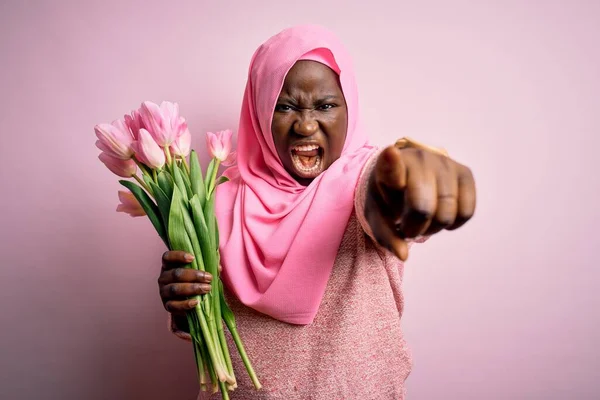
(279, 239)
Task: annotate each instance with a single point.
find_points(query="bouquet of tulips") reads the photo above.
(154, 142)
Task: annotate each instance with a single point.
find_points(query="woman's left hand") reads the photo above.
(416, 192)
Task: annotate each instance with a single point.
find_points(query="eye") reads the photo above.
(283, 108)
(325, 107)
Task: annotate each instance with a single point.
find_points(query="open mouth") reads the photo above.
(307, 160)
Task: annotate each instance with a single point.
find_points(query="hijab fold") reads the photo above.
(279, 239)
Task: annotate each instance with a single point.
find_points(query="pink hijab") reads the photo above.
(279, 239)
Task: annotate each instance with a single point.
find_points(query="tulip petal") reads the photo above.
(116, 139)
(162, 121)
(226, 141)
(152, 119)
(129, 204)
(182, 145)
(122, 168)
(148, 151)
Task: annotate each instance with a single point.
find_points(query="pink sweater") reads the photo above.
(354, 349)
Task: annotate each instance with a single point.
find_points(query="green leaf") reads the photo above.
(145, 169)
(216, 234)
(181, 184)
(149, 207)
(193, 235)
(186, 177)
(209, 174)
(196, 178)
(165, 181)
(211, 222)
(211, 261)
(147, 179)
(163, 202)
(222, 179)
(177, 234)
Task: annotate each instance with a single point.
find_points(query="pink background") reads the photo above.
(505, 308)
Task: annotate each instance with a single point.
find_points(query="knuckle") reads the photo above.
(445, 161)
(178, 274)
(420, 154)
(165, 256)
(173, 290)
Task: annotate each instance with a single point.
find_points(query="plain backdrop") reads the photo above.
(504, 308)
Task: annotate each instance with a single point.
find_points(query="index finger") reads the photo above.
(390, 171)
(390, 180)
(176, 258)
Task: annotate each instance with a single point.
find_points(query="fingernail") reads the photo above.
(189, 257)
(193, 303)
(205, 287)
(205, 276)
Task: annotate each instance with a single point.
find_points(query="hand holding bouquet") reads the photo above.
(152, 146)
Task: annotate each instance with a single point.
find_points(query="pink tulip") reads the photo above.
(230, 160)
(183, 144)
(219, 144)
(164, 122)
(148, 151)
(115, 139)
(129, 204)
(134, 122)
(124, 168)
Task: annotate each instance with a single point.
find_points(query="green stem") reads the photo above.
(210, 344)
(168, 155)
(238, 342)
(186, 165)
(224, 348)
(155, 176)
(213, 178)
(197, 346)
(141, 166)
(199, 363)
(212, 324)
(224, 392)
(216, 292)
(141, 182)
(208, 365)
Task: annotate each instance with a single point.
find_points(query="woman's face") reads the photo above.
(310, 120)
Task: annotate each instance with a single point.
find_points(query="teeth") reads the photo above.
(309, 147)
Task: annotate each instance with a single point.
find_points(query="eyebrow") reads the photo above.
(325, 98)
(329, 97)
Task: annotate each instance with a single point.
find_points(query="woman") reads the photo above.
(315, 225)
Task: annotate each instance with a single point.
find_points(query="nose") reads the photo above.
(306, 125)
